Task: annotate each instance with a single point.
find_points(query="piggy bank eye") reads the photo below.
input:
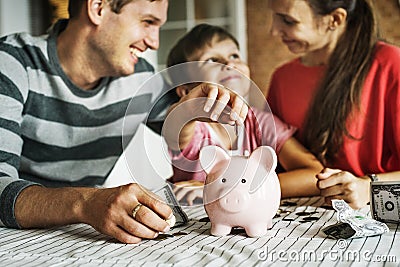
(223, 180)
(243, 181)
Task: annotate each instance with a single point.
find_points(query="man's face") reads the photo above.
(121, 38)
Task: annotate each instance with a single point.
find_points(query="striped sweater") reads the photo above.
(54, 133)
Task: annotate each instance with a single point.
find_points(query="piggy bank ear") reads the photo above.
(211, 156)
(266, 158)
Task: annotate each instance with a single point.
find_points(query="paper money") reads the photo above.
(362, 225)
(385, 201)
(168, 196)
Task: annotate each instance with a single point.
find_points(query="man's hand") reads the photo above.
(338, 184)
(110, 212)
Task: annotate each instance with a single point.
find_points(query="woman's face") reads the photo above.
(299, 28)
(232, 72)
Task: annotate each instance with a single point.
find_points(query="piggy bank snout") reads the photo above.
(234, 201)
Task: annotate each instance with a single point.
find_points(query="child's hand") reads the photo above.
(217, 101)
(205, 102)
(212, 103)
(189, 191)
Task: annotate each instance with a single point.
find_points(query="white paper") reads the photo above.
(145, 160)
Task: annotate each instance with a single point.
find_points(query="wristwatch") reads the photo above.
(373, 177)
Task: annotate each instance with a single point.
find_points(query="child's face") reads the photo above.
(233, 74)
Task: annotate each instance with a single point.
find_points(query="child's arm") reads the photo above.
(301, 168)
(179, 126)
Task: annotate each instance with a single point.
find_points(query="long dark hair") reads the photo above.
(340, 90)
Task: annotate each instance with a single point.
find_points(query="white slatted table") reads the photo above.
(289, 242)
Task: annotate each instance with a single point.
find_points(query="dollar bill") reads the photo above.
(360, 224)
(168, 196)
(385, 201)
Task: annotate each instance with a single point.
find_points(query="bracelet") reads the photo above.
(373, 177)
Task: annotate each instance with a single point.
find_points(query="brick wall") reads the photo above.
(265, 53)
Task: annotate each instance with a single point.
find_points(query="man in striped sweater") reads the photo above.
(63, 100)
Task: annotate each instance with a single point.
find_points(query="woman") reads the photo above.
(342, 93)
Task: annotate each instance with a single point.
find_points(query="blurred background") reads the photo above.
(247, 20)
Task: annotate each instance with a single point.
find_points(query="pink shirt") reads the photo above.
(261, 128)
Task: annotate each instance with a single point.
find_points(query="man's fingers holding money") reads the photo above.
(152, 212)
(148, 218)
(154, 202)
(138, 226)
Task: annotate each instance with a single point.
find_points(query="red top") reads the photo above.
(377, 123)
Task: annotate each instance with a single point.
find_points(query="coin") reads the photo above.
(309, 219)
(205, 219)
(180, 233)
(305, 213)
(288, 203)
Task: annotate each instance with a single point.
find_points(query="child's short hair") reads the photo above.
(189, 46)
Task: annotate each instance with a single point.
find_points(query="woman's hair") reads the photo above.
(340, 90)
(190, 46)
(74, 6)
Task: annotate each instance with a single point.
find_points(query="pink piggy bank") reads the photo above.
(240, 191)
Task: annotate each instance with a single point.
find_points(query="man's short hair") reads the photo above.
(75, 6)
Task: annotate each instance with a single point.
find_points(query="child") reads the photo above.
(207, 44)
